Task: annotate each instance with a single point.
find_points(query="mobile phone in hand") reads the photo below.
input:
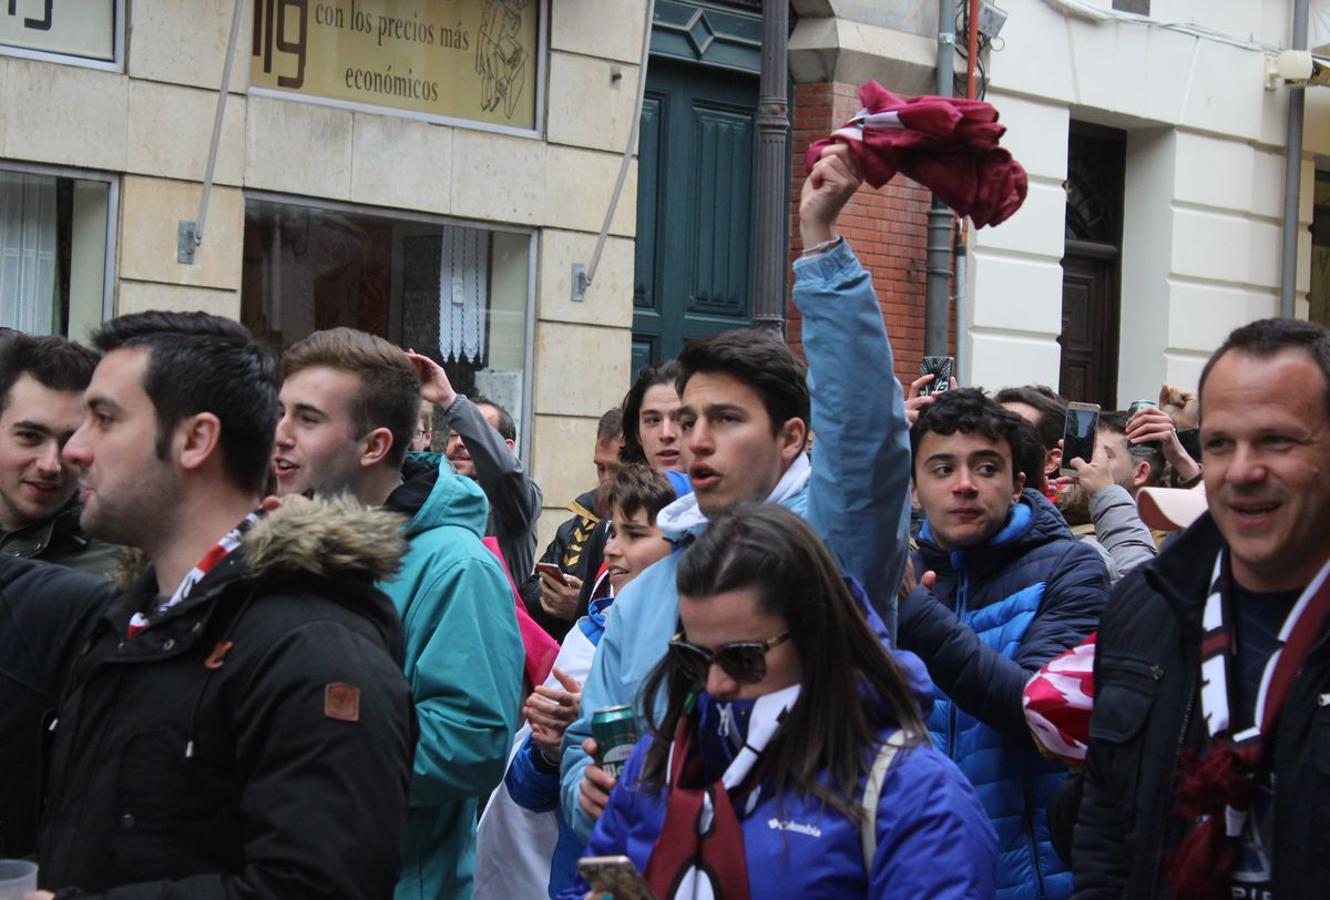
(1078, 434)
(942, 368)
(615, 875)
(554, 572)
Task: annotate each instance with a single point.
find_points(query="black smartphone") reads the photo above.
(942, 368)
(1078, 435)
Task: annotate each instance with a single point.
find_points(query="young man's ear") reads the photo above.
(793, 437)
(377, 445)
(1141, 474)
(1017, 485)
(196, 438)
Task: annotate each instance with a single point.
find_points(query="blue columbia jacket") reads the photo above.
(998, 612)
(933, 839)
(856, 498)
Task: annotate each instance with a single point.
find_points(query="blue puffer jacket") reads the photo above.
(998, 612)
(932, 838)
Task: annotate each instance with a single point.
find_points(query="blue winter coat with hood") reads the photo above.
(464, 664)
(856, 497)
(997, 613)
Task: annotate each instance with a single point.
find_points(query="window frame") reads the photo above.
(110, 267)
(403, 215)
(115, 64)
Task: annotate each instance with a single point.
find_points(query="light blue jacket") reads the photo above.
(856, 499)
(464, 664)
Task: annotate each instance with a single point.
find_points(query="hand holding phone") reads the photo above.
(553, 571)
(942, 368)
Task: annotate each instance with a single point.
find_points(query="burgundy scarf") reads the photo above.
(1216, 787)
(702, 840)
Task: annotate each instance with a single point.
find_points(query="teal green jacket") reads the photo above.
(463, 660)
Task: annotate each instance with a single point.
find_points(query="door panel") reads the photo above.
(695, 213)
(1089, 335)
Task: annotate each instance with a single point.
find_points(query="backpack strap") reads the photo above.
(873, 792)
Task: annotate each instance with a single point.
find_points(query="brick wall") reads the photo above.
(887, 227)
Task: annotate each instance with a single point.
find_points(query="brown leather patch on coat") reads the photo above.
(341, 701)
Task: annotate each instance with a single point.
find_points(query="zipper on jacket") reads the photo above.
(1158, 853)
(962, 606)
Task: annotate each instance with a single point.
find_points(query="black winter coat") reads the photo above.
(45, 613)
(256, 741)
(1147, 708)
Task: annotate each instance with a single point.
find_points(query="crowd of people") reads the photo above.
(279, 629)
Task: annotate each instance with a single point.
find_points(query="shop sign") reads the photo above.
(84, 28)
(457, 59)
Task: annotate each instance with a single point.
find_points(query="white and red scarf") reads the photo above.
(1217, 786)
(219, 551)
(700, 852)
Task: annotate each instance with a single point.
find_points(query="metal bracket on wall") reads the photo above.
(580, 282)
(186, 242)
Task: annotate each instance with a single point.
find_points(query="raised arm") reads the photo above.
(859, 495)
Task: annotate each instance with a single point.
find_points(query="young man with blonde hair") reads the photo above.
(349, 405)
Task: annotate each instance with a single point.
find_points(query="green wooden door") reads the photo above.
(696, 178)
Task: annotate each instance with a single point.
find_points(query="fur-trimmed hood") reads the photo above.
(327, 536)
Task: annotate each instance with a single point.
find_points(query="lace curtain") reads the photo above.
(464, 275)
(27, 252)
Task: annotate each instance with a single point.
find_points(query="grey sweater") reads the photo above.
(515, 499)
(1119, 529)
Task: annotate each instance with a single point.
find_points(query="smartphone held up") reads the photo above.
(942, 368)
(1078, 435)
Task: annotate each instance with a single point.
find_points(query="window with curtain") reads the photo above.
(455, 293)
(53, 252)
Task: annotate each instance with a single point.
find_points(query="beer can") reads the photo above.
(615, 731)
(1146, 448)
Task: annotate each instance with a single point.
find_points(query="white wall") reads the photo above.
(1204, 188)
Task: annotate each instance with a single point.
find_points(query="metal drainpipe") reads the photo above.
(1288, 269)
(773, 176)
(938, 260)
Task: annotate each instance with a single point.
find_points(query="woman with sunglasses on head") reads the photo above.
(788, 757)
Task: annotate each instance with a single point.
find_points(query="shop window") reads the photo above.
(54, 251)
(456, 293)
(87, 33)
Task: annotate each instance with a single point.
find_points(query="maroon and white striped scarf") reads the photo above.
(1216, 788)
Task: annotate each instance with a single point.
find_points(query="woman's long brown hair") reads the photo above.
(851, 688)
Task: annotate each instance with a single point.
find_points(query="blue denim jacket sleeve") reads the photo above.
(859, 495)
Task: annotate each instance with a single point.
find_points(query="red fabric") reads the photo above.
(680, 848)
(949, 145)
(1208, 784)
(541, 649)
(1058, 701)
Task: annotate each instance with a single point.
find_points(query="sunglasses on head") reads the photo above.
(744, 661)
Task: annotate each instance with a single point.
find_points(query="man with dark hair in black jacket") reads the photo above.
(41, 404)
(1013, 589)
(235, 724)
(1209, 756)
(578, 547)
